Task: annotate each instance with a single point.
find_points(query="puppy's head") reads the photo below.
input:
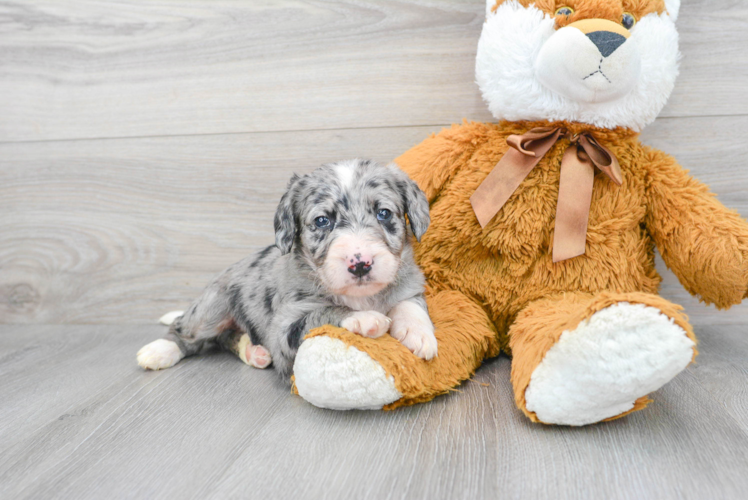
(347, 220)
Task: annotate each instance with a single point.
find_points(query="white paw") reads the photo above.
(258, 356)
(330, 374)
(168, 318)
(412, 326)
(599, 369)
(159, 354)
(370, 324)
(253, 355)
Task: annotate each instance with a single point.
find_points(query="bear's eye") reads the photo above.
(564, 11)
(321, 222)
(384, 214)
(628, 20)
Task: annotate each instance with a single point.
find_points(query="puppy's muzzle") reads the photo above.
(358, 265)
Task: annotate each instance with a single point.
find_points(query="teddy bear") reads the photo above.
(544, 227)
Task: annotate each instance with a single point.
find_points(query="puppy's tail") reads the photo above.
(168, 318)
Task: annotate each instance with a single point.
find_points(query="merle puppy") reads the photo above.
(342, 256)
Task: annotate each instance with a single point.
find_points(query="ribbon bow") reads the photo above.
(575, 187)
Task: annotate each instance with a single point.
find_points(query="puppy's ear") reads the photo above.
(416, 203)
(285, 222)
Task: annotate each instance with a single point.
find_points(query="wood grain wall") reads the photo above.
(144, 145)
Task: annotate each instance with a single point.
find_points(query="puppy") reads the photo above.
(342, 256)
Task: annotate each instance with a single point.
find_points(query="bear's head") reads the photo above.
(609, 63)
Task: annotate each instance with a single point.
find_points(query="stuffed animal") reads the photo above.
(544, 227)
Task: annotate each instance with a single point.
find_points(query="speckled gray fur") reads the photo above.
(276, 295)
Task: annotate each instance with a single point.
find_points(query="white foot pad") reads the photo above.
(599, 369)
(159, 354)
(329, 374)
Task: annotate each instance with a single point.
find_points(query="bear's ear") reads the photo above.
(672, 7)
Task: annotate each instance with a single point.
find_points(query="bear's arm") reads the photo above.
(433, 162)
(701, 241)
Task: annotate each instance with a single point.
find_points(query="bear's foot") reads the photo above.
(605, 366)
(330, 374)
(340, 370)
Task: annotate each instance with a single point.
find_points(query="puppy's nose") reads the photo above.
(360, 269)
(606, 41)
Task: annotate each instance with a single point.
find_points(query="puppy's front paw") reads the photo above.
(416, 336)
(159, 354)
(412, 326)
(370, 324)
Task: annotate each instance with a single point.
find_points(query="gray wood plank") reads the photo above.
(121, 231)
(722, 367)
(57, 416)
(130, 68)
(214, 428)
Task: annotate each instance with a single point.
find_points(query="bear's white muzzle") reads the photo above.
(590, 61)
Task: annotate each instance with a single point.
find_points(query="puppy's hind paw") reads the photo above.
(159, 354)
(168, 318)
(252, 354)
(258, 356)
(370, 324)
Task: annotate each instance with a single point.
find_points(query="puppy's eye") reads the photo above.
(628, 20)
(384, 214)
(322, 222)
(564, 11)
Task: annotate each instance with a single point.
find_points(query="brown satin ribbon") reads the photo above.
(575, 186)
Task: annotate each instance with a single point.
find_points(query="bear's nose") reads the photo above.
(606, 41)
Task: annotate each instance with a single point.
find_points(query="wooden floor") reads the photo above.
(143, 147)
(79, 420)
